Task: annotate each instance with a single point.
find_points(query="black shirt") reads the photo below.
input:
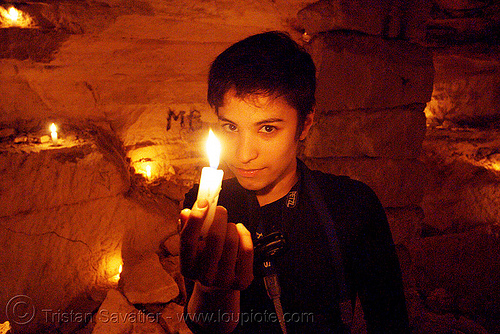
(310, 289)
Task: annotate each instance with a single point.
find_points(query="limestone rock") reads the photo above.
(73, 249)
(172, 245)
(390, 133)
(461, 264)
(117, 316)
(35, 180)
(462, 184)
(358, 72)
(397, 183)
(383, 18)
(325, 15)
(147, 282)
(173, 317)
(405, 223)
(6, 132)
(44, 139)
(464, 92)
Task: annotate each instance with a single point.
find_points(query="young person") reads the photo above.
(332, 233)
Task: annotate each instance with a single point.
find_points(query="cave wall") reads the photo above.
(126, 83)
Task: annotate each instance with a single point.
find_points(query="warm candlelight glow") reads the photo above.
(53, 133)
(148, 171)
(116, 277)
(5, 328)
(213, 149)
(13, 14)
(211, 181)
(13, 17)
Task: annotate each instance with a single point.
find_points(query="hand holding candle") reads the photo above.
(210, 182)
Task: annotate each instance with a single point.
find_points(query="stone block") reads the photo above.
(147, 282)
(362, 72)
(393, 19)
(395, 133)
(397, 183)
(366, 16)
(405, 223)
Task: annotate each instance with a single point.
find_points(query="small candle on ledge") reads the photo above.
(211, 181)
(53, 133)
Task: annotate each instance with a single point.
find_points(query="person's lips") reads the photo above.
(247, 172)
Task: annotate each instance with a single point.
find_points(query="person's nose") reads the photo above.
(247, 148)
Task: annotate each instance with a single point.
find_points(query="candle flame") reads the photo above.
(53, 128)
(148, 171)
(13, 14)
(116, 277)
(213, 149)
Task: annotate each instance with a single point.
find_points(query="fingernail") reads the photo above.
(202, 203)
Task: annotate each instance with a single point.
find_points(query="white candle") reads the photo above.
(148, 172)
(53, 133)
(211, 181)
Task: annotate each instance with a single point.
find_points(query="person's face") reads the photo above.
(260, 143)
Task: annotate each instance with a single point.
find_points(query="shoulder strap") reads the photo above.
(313, 190)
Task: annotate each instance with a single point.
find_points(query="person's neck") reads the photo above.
(278, 190)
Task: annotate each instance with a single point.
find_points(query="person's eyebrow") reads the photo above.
(264, 121)
(269, 120)
(223, 119)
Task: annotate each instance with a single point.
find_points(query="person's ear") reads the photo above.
(307, 125)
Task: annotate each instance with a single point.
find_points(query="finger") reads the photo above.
(211, 248)
(227, 264)
(192, 220)
(244, 265)
(183, 218)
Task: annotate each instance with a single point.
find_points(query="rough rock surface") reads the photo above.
(357, 71)
(146, 282)
(465, 92)
(389, 133)
(383, 18)
(73, 221)
(397, 183)
(116, 316)
(462, 179)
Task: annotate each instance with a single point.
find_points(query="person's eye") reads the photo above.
(268, 129)
(228, 127)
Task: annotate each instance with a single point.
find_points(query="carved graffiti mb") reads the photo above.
(188, 120)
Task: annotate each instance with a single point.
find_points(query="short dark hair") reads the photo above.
(268, 64)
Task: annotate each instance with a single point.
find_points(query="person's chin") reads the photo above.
(249, 184)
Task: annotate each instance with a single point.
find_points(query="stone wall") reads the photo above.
(370, 123)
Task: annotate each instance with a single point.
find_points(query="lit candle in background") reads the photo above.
(13, 14)
(148, 172)
(211, 181)
(53, 133)
(116, 277)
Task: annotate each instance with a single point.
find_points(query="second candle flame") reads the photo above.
(213, 149)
